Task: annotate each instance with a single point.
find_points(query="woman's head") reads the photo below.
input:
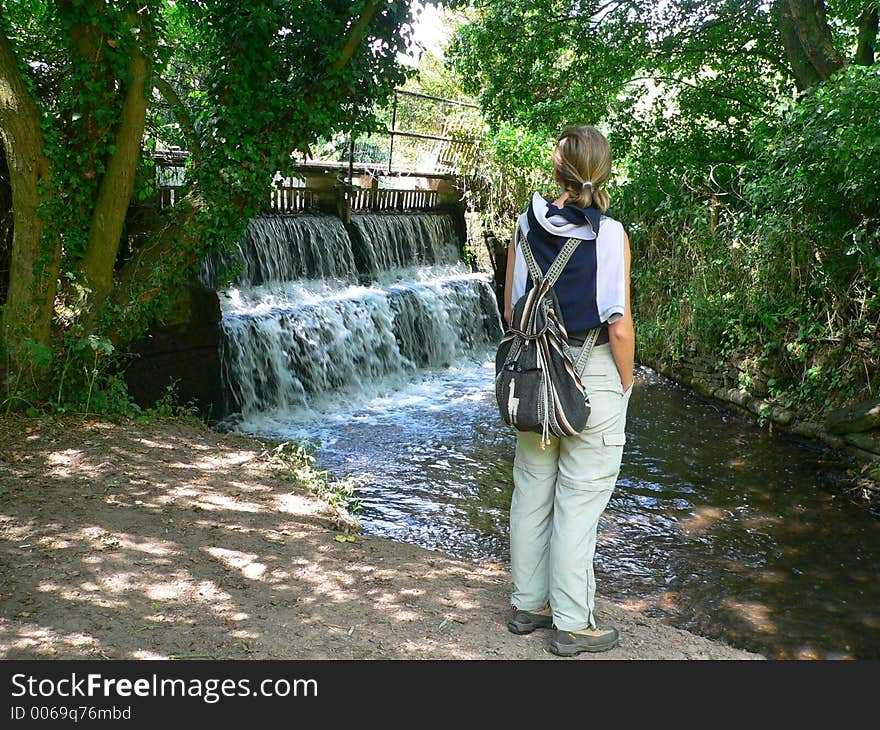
(582, 163)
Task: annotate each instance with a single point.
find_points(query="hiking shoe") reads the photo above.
(570, 643)
(525, 622)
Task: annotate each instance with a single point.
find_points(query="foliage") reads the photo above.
(512, 163)
(243, 85)
(548, 63)
(301, 464)
(752, 213)
(782, 261)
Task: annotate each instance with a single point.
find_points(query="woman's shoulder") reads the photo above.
(535, 200)
(610, 224)
(610, 215)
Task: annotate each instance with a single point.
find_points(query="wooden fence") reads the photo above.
(294, 200)
(375, 199)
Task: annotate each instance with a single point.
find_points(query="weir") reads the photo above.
(322, 309)
(316, 308)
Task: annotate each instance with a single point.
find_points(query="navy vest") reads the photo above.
(576, 286)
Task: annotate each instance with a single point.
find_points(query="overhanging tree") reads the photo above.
(249, 83)
(540, 62)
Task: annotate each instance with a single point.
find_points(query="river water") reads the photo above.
(716, 525)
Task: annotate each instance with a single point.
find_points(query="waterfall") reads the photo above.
(315, 312)
(282, 248)
(396, 241)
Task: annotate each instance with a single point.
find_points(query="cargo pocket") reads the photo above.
(614, 439)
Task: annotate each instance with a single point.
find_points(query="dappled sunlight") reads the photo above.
(101, 539)
(154, 444)
(245, 562)
(13, 532)
(208, 500)
(460, 599)
(668, 601)
(63, 462)
(38, 641)
(702, 519)
(143, 654)
(293, 503)
(333, 584)
(160, 555)
(764, 521)
(215, 462)
(87, 591)
(756, 615)
(771, 576)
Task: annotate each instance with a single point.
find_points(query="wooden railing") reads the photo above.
(292, 200)
(375, 199)
(295, 200)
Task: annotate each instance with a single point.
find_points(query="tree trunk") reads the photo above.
(183, 118)
(811, 26)
(35, 263)
(805, 75)
(150, 273)
(867, 35)
(114, 193)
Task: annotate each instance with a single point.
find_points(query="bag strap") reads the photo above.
(586, 350)
(556, 267)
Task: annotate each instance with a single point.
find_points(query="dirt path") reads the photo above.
(166, 539)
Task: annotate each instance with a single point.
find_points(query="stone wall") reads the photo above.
(184, 348)
(740, 383)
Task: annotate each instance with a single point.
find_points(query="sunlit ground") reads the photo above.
(169, 540)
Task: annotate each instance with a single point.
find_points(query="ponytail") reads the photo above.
(582, 161)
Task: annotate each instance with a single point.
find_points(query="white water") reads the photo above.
(312, 326)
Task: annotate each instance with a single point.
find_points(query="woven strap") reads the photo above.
(556, 267)
(586, 350)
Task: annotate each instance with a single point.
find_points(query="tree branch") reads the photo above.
(356, 35)
(682, 82)
(804, 73)
(184, 119)
(811, 26)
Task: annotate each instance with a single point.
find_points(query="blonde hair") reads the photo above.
(582, 162)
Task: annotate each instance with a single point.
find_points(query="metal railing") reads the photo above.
(446, 153)
(444, 160)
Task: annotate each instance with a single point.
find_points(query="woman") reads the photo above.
(561, 490)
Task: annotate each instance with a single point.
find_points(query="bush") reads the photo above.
(775, 257)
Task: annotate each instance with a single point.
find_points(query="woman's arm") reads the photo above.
(621, 334)
(508, 279)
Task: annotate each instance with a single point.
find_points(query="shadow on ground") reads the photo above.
(166, 539)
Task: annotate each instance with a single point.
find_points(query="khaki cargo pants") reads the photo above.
(559, 494)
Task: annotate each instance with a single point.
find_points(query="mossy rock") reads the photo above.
(856, 418)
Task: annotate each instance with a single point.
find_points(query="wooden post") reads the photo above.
(393, 127)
